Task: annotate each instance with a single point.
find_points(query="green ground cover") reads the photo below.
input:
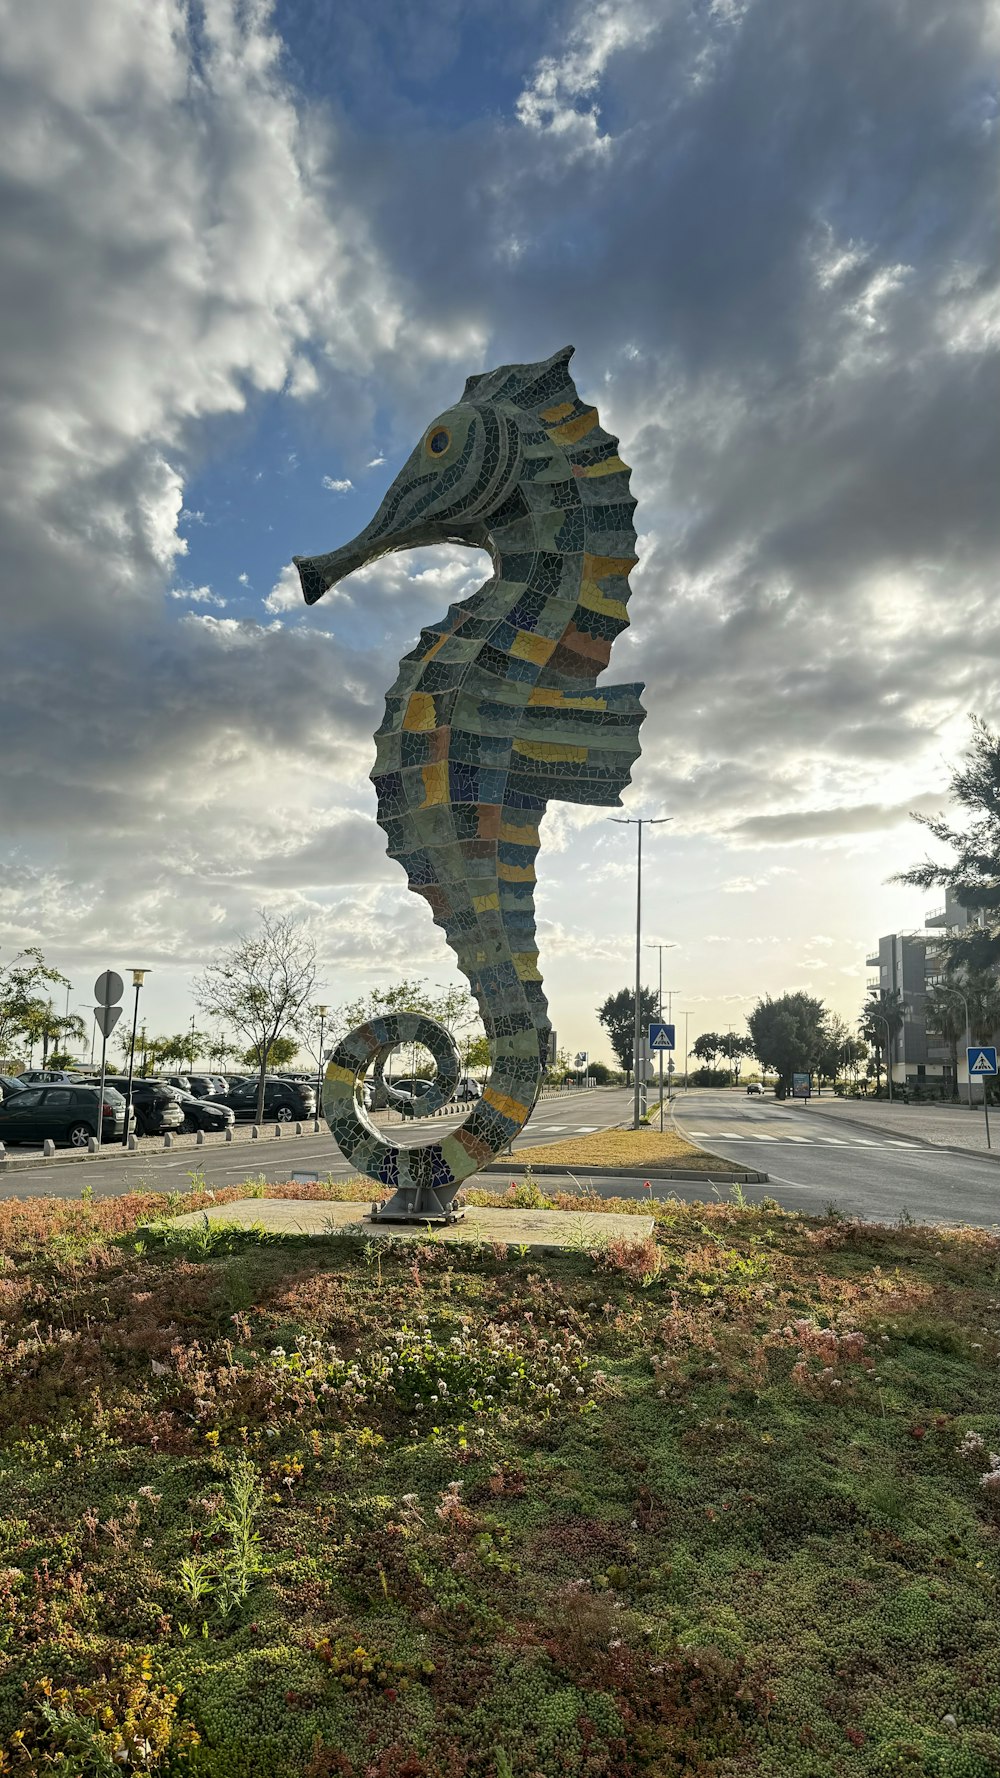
(708, 1506)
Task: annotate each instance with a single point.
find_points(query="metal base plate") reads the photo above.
(437, 1218)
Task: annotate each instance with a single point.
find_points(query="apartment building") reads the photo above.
(907, 963)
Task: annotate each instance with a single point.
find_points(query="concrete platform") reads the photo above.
(552, 1230)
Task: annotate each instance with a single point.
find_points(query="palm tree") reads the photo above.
(881, 1018)
(946, 1017)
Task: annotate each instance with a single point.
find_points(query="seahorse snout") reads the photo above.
(319, 573)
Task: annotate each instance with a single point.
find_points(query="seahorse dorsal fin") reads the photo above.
(472, 384)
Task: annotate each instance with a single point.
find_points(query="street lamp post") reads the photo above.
(138, 977)
(668, 945)
(639, 822)
(322, 1010)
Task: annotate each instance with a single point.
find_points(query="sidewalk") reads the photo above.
(943, 1126)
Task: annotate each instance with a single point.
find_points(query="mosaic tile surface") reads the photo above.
(494, 714)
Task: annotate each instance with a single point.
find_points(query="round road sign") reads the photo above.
(108, 988)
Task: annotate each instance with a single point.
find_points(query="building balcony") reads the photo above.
(872, 962)
(938, 918)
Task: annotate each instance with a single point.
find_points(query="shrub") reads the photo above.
(94, 1728)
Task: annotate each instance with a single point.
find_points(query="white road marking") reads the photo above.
(801, 1141)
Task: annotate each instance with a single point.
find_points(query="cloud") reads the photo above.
(770, 231)
(799, 824)
(286, 593)
(199, 595)
(337, 487)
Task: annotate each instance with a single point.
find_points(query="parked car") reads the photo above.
(467, 1089)
(285, 1101)
(755, 1089)
(205, 1114)
(181, 1081)
(47, 1077)
(62, 1114)
(9, 1084)
(206, 1086)
(156, 1107)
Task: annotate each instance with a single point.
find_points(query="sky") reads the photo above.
(251, 250)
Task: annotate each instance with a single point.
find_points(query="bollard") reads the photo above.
(3, 1151)
(199, 1140)
(133, 1144)
(91, 1144)
(298, 1129)
(48, 1148)
(315, 1126)
(168, 1141)
(254, 1133)
(229, 1134)
(277, 1129)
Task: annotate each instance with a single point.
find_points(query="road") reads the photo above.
(813, 1162)
(153, 1168)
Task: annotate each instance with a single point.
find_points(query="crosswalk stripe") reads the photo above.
(723, 1136)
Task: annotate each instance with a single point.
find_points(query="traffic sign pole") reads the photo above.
(981, 1059)
(108, 990)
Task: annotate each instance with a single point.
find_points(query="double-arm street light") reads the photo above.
(638, 822)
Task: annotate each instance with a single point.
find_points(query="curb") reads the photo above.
(716, 1176)
(112, 1151)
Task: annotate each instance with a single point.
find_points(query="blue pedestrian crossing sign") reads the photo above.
(661, 1037)
(982, 1059)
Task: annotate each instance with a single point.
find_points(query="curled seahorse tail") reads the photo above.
(425, 1177)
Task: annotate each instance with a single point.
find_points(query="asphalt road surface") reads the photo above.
(153, 1168)
(813, 1162)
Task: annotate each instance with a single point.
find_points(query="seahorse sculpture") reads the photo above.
(496, 712)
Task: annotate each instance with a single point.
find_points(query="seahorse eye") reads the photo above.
(438, 441)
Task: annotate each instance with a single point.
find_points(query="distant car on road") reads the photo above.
(755, 1090)
(69, 1114)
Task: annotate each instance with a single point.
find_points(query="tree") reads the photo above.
(707, 1047)
(881, 1017)
(617, 1015)
(282, 1051)
(22, 982)
(735, 1049)
(41, 1023)
(834, 1048)
(973, 877)
(260, 985)
(946, 1018)
(787, 1035)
